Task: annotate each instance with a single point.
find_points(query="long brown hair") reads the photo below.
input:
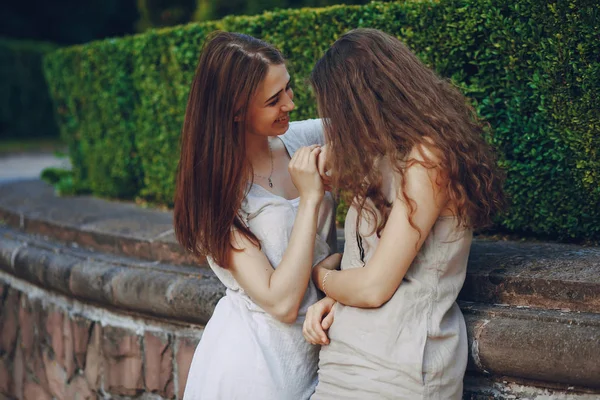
(378, 99)
(213, 169)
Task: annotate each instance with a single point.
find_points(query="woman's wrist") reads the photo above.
(317, 276)
(324, 280)
(321, 277)
(310, 200)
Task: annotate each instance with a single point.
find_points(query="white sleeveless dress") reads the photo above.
(244, 352)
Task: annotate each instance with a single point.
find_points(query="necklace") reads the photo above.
(271, 174)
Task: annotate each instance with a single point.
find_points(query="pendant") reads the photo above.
(270, 183)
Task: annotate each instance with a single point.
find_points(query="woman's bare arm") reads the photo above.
(376, 283)
(280, 291)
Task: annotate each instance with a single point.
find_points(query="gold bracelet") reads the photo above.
(324, 281)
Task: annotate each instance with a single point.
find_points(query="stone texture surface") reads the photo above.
(478, 387)
(542, 275)
(184, 353)
(532, 309)
(550, 276)
(80, 328)
(6, 384)
(34, 391)
(123, 361)
(79, 389)
(9, 322)
(94, 362)
(54, 329)
(55, 373)
(103, 225)
(18, 373)
(545, 346)
(183, 293)
(26, 326)
(158, 363)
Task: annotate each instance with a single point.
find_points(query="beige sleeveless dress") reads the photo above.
(415, 345)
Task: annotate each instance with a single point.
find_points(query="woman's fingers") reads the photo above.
(322, 162)
(303, 171)
(312, 330)
(317, 332)
(311, 158)
(308, 329)
(327, 321)
(302, 156)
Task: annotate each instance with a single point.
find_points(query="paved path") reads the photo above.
(16, 167)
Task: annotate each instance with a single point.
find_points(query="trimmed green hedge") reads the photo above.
(531, 67)
(25, 106)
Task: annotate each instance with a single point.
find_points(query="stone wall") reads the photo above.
(55, 347)
(97, 301)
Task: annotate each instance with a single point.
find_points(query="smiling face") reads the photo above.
(268, 111)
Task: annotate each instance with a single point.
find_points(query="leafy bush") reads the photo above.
(531, 68)
(25, 106)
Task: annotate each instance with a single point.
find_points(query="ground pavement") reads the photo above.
(25, 166)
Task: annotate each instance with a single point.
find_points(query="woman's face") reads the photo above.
(268, 112)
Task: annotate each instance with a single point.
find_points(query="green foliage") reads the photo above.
(25, 105)
(166, 62)
(531, 68)
(61, 179)
(162, 13)
(95, 98)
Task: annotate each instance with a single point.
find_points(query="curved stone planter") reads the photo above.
(157, 290)
(97, 317)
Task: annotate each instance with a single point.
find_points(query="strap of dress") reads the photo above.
(360, 248)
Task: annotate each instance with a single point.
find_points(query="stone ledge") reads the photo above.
(477, 387)
(551, 348)
(156, 290)
(110, 226)
(538, 275)
(541, 275)
(537, 348)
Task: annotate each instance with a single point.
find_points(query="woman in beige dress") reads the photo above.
(411, 159)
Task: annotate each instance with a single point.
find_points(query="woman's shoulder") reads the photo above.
(303, 133)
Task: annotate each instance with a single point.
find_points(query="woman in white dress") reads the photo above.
(249, 198)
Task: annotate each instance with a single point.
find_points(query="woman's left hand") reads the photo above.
(319, 318)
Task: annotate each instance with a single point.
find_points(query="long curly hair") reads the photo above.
(378, 99)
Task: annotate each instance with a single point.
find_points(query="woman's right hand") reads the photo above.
(324, 167)
(319, 318)
(305, 173)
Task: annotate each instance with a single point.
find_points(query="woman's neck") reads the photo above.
(258, 151)
(259, 154)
